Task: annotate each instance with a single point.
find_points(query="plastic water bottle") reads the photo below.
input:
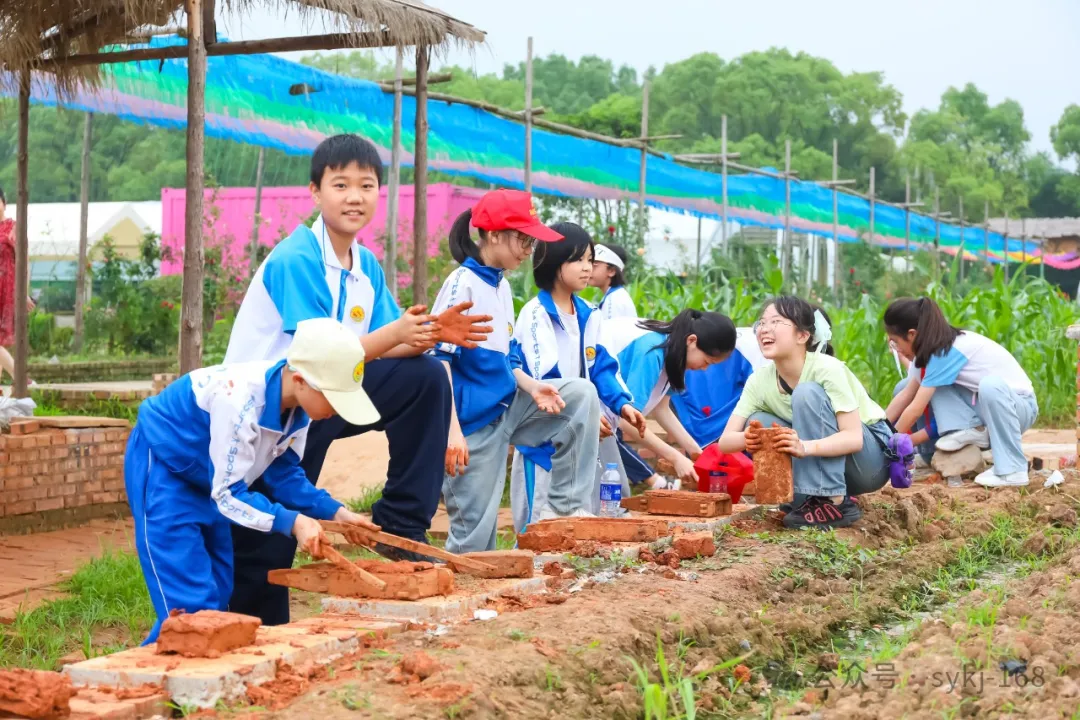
(610, 491)
(717, 482)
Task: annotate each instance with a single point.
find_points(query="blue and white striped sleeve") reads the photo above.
(942, 370)
(234, 428)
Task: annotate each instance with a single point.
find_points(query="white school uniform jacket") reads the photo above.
(220, 429)
(971, 358)
(302, 279)
(484, 383)
(545, 349)
(617, 303)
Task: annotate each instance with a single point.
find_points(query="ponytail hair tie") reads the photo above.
(822, 331)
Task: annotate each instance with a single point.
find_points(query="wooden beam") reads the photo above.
(528, 114)
(77, 27)
(22, 264)
(84, 211)
(256, 221)
(393, 185)
(420, 230)
(191, 308)
(332, 41)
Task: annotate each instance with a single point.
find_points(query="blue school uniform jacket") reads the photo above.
(220, 428)
(641, 360)
(483, 379)
(537, 353)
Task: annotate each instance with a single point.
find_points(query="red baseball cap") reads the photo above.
(511, 210)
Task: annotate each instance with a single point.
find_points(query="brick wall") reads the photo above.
(51, 477)
(99, 371)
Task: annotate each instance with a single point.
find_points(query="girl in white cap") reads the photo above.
(609, 274)
(199, 445)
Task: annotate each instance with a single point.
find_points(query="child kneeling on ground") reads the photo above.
(835, 433)
(496, 405)
(199, 445)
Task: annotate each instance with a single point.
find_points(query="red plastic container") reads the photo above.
(735, 470)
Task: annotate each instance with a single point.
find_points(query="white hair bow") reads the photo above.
(822, 331)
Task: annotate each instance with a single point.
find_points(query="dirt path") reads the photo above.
(781, 602)
(355, 463)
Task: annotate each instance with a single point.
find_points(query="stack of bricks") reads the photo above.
(1073, 333)
(51, 477)
(161, 381)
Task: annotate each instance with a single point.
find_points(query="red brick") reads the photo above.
(75, 501)
(76, 477)
(19, 508)
(21, 457)
(17, 442)
(11, 471)
(94, 485)
(49, 504)
(34, 493)
(4, 459)
(20, 482)
(71, 437)
(25, 427)
(99, 437)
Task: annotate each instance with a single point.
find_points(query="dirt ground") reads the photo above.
(355, 463)
(881, 620)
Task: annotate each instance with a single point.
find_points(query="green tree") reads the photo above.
(1066, 139)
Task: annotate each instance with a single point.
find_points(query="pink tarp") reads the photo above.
(230, 214)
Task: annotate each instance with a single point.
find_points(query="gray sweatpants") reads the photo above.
(472, 498)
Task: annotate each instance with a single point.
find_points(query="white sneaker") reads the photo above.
(962, 438)
(989, 479)
(548, 513)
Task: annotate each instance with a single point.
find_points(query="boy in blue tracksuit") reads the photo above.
(198, 446)
(558, 336)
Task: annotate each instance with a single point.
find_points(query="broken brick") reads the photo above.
(35, 694)
(692, 545)
(207, 633)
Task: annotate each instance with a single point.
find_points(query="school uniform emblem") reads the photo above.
(357, 313)
(509, 328)
(590, 353)
(358, 372)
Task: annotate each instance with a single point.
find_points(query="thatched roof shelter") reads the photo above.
(67, 39)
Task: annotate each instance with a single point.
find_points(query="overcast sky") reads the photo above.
(1027, 51)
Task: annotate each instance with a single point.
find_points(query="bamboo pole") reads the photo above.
(528, 114)
(937, 232)
(1005, 237)
(644, 156)
(84, 211)
(256, 225)
(907, 222)
(22, 244)
(697, 265)
(420, 183)
(961, 209)
(986, 232)
(873, 175)
(1023, 245)
(393, 188)
(836, 214)
(723, 188)
(191, 309)
(785, 248)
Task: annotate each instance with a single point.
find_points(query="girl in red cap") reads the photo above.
(496, 405)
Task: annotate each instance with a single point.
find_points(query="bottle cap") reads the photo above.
(611, 466)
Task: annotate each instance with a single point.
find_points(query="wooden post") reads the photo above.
(22, 244)
(1005, 237)
(873, 175)
(528, 115)
(84, 211)
(697, 267)
(937, 232)
(836, 215)
(961, 209)
(907, 222)
(256, 223)
(723, 187)
(644, 156)
(393, 187)
(986, 232)
(420, 183)
(1023, 245)
(191, 309)
(785, 248)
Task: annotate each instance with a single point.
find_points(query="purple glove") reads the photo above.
(901, 455)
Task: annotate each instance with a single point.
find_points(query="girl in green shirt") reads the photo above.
(836, 435)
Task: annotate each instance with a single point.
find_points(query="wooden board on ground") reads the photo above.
(602, 529)
(506, 564)
(425, 580)
(78, 421)
(686, 503)
(362, 536)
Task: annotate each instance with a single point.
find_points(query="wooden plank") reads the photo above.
(349, 567)
(361, 536)
(507, 564)
(426, 581)
(79, 421)
(603, 529)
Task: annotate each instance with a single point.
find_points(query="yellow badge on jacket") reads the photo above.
(358, 372)
(590, 353)
(357, 313)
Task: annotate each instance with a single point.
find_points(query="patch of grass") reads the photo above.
(107, 596)
(48, 404)
(674, 693)
(368, 497)
(518, 635)
(615, 561)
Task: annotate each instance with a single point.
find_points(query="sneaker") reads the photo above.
(822, 513)
(990, 479)
(796, 502)
(961, 438)
(548, 513)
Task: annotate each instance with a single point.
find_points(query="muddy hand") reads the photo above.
(605, 428)
(419, 330)
(457, 453)
(362, 524)
(457, 328)
(753, 437)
